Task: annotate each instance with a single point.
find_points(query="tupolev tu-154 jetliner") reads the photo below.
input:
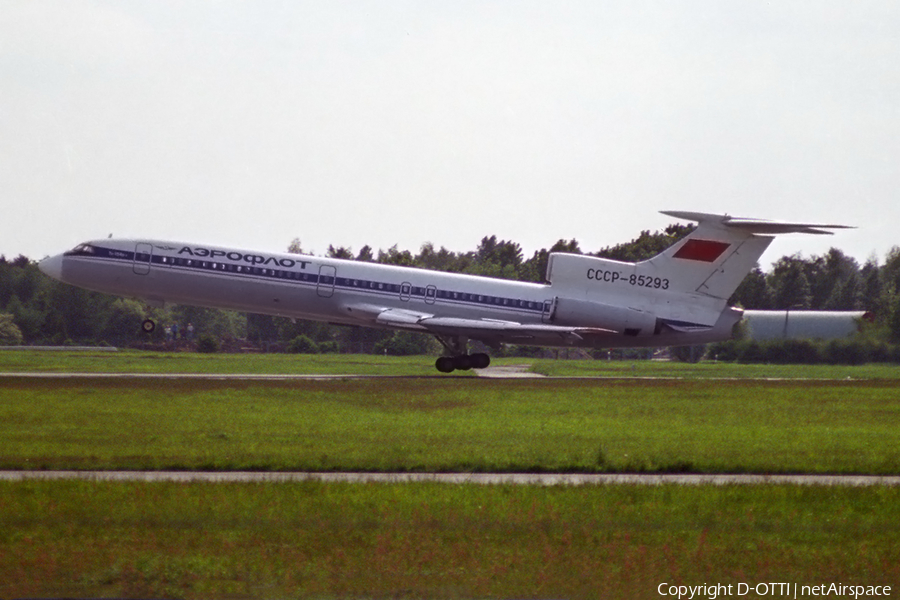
(678, 297)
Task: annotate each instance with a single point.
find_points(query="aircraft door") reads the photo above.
(325, 285)
(430, 294)
(549, 311)
(405, 291)
(143, 256)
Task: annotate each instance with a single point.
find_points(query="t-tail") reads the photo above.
(684, 289)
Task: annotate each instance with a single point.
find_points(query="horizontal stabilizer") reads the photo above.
(757, 226)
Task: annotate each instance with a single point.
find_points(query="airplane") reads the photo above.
(678, 297)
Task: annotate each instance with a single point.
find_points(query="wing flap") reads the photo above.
(493, 329)
(403, 319)
(508, 329)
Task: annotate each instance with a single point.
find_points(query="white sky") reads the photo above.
(387, 122)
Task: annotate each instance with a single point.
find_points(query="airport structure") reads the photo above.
(765, 325)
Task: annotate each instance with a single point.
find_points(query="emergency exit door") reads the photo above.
(325, 285)
(143, 256)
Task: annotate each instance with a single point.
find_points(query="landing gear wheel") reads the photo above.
(480, 360)
(463, 362)
(148, 326)
(444, 364)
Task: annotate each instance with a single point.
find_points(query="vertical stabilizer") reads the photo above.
(712, 260)
(716, 257)
(689, 283)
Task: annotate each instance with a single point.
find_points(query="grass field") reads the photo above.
(708, 370)
(455, 424)
(314, 540)
(318, 540)
(131, 361)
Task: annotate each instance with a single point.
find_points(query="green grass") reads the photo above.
(322, 540)
(455, 424)
(316, 540)
(707, 370)
(132, 361)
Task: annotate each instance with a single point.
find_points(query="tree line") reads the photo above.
(37, 310)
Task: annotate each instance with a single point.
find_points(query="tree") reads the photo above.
(220, 324)
(365, 254)
(262, 329)
(339, 252)
(393, 256)
(890, 272)
(569, 246)
(846, 294)
(76, 313)
(502, 252)
(754, 292)
(789, 284)
(295, 247)
(122, 322)
(894, 320)
(870, 276)
(647, 245)
(302, 345)
(494, 258)
(9, 332)
(442, 260)
(405, 343)
(834, 281)
(535, 268)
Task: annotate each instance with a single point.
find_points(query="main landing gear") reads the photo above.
(463, 362)
(148, 326)
(459, 358)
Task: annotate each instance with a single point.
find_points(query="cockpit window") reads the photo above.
(81, 249)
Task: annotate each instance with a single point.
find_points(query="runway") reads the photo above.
(541, 479)
(201, 376)
(513, 372)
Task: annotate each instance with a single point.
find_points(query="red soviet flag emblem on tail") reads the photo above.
(702, 250)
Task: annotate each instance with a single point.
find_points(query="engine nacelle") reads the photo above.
(596, 314)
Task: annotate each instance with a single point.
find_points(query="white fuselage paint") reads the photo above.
(677, 297)
(295, 286)
(339, 291)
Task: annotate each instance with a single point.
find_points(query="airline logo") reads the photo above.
(253, 259)
(702, 250)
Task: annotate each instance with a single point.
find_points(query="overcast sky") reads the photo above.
(249, 124)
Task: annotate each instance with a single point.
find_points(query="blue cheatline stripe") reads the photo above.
(365, 286)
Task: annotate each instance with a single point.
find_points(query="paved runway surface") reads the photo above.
(511, 372)
(458, 478)
(205, 376)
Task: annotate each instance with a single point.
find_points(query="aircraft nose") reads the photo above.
(52, 266)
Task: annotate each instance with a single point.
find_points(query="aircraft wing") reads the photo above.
(479, 329)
